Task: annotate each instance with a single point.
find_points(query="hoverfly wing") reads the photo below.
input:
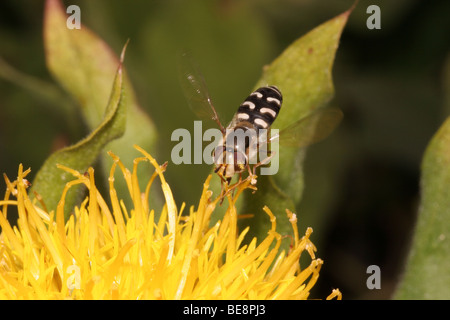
(195, 90)
(311, 129)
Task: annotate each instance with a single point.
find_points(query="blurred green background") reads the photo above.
(362, 183)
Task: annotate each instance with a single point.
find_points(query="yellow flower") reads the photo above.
(111, 252)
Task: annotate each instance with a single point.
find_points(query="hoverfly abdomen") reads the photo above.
(260, 108)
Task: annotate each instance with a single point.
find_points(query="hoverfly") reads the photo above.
(257, 113)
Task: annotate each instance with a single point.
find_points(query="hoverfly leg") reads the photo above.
(224, 189)
(251, 175)
(241, 181)
(233, 187)
(263, 162)
(228, 188)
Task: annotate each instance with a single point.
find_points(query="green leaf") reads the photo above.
(50, 181)
(81, 62)
(303, 74)
(427, 271)
(85, 66)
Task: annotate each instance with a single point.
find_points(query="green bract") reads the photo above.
(427, 271)
(87, 68)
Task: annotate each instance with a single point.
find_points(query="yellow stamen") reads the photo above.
(113, 252)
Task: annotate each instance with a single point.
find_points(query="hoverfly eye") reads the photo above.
(218, 154)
